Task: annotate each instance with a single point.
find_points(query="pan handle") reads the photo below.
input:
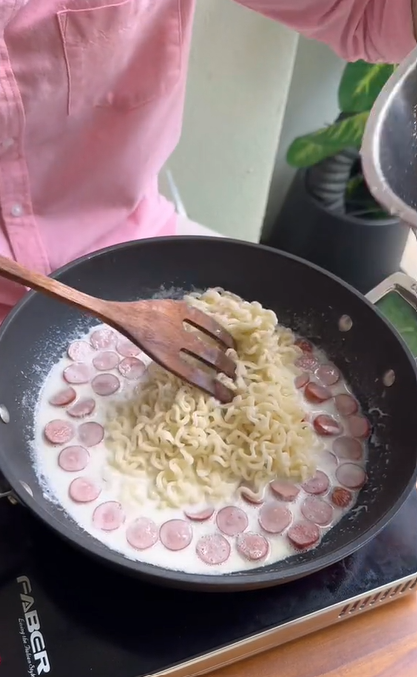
(402, 284)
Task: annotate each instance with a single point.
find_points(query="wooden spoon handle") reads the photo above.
(16, 273)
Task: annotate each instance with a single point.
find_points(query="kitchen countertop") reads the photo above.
(379, 643)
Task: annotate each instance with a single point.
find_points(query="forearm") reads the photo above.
(374, 30)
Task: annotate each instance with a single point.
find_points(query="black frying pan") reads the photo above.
(305, 298)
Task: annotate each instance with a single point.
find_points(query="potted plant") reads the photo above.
(329, 216)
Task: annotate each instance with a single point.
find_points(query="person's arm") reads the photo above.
(374, 30)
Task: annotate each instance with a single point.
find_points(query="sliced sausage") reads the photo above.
(77, 373)
(73, 459)
(84, 490)
(176, 534)
(90, 433)
(106, 361)
(213, 549)
(307, 362)
(341, 497)
(232, 521)
(351, 476)
(59, 432)
(318, 511)
(285, 491)
(326, 425)
(318, 484)
(142, 534)
(126, 348)
(80, 351)
(108, 516)
(316, 393)
(63, 397)
(274, 518)
(103, 339)
(303, 535)
(132, 368)
(82, 408)
(304, 345)
(346, 405)
(348, 448)
(328, 374)
(253, 547)
(200, 515)
(105, 384)
(359, 426)
(301, 380)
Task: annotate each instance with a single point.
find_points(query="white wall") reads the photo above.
(312, 103)
(240, 71)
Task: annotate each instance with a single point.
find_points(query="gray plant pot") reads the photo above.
(361, 251)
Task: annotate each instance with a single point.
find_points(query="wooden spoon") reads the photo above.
(157, 327)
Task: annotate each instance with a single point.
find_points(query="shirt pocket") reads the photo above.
(121, 55)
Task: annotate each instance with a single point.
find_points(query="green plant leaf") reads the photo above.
(360, 85)
(310, 149)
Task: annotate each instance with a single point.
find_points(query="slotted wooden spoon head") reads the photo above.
(159, 328)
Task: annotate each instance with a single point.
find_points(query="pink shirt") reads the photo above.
(91, 104)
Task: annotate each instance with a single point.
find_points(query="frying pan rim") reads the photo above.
(260, 577)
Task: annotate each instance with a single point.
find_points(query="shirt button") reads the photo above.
(17, 210)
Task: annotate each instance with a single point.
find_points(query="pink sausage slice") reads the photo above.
(105, 384)
(252, 547)
(285, 491)
(103, 339)
(232, 521)
(307, 362)
(318, 484)
(303, 535)
(77, 373)
(132, 368)
(82, 408)
(274, 518)
(83, 490)
(351, 476)
(63, 397)
(341, 497)
(79, 351)
(348, 447)
(304, 345)
(316, 510)
(328, 374)
(142, 534)
(359, 426)
(176, 534)
(316, 393)
(73, 459)
(126, 348)
(213, 549)
(106, 361)
(200, 515)
(90, 433)
(326, 425)
(59, 432)
(301, 380)
(108, 516)
(346, 405)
